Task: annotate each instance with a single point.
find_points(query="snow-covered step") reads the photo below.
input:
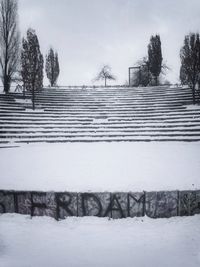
(60, 132)
(141, 109)
(121, 120)
(77, 109)
(96, 116)
(111, 98)
(111, 112)
(180, 126)
(106, 139)
(102, 135)
(89, 93)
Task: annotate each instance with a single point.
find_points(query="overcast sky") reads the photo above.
(90, 33)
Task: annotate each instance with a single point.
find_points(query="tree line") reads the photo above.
(150, 68)
(23, 60)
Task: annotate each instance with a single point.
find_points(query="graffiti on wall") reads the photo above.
(113, 205)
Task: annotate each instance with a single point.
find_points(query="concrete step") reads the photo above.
(97, 134)
(108, 98)
(40, 131)
(75, 126)
(85, 108)
(107, 139)
(93, 120)
(101, 116)
(40, 114)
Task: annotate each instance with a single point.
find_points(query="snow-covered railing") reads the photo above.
(163, 204)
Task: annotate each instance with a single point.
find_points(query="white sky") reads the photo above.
(90, 33)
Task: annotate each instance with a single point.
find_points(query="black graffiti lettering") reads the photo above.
(61, 203)
(194, 203)
(114, 206)
(85, 197)
(16, 202)
(22, 202)
(38, 205)
(2, 208)
(8, 203)
(186, 205)
(137, 201)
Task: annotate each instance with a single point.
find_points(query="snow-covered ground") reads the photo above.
(95, 242)
(100, 242)
(101, 167)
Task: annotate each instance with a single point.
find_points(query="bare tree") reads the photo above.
(105, 74)
(9, 41)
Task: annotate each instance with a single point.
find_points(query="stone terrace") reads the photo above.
(99, 114)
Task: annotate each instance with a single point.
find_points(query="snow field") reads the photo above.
(100, 167)
(95, 242)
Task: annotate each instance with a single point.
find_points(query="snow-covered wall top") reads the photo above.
(113, 205)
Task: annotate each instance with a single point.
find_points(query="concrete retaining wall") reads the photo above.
(114, 205)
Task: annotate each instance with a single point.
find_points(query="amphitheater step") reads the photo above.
(77, 114)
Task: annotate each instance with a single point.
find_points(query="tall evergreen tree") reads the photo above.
(190, 61)
(155, 57)
(32, 64)
(52, 67)
(9, 42)
(183, 75)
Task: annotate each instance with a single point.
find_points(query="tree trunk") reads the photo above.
(105, 82)
(6, 80)
(33, 97)
(140, 76)
(24, 94)
(148, 75)
(33, 91)
(193, 94)
(156, 80)
(6, 84)
(52, 77)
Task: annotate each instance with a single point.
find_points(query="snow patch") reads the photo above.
(23, 101)
(34, 111)
(193, 107)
